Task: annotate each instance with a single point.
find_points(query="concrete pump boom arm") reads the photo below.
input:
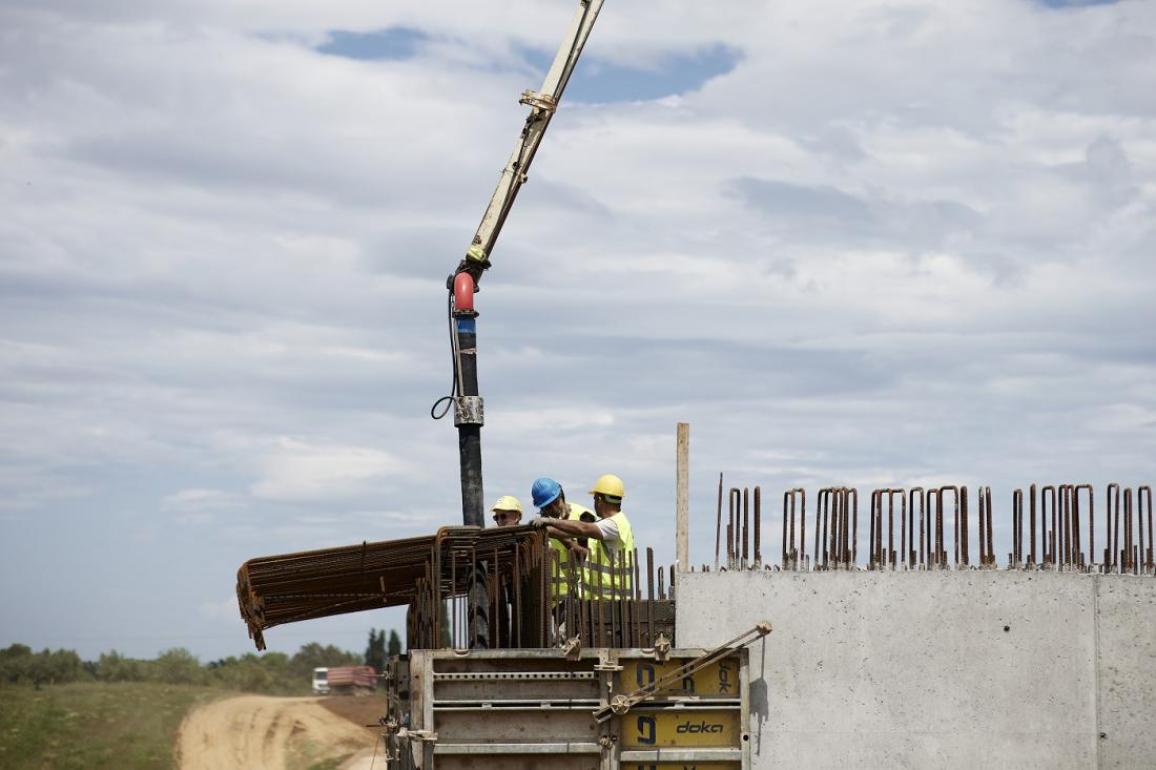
(542, 104)
(469, 411)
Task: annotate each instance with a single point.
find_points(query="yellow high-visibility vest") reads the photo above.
(560, 568)
(606, 580)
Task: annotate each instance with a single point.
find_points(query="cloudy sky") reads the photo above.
(871, 243)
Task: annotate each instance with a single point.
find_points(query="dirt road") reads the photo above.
(256, 732)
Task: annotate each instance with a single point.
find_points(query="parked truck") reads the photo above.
(344, 680)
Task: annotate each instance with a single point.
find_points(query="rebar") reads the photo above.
(718, 522)
(907, 529)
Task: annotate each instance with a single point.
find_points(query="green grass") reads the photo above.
(90, 725)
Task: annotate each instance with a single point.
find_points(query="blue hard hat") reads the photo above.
(545, 491)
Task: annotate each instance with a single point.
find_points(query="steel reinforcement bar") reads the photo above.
(1052, 526)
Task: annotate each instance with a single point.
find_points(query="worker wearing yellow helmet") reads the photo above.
(609, 566)
(507, 511)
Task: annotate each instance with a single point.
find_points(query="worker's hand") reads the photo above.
(539, 522)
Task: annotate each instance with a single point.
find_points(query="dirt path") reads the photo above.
(257, 732)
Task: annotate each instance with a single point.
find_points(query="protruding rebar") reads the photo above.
(1144, 493)
(758, 527)
(746, 526)
(718, 522)
(1017, 528)
(1112, 512)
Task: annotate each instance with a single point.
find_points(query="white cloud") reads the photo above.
(219, 609)
(295, 470)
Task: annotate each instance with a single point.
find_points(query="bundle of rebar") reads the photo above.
(288, 588)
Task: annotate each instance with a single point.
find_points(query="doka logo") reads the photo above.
(701, 727)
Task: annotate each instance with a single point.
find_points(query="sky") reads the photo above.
(871, 244)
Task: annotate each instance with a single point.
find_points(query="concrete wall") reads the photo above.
(927, 669)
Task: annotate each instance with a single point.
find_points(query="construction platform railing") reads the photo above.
(535, 599)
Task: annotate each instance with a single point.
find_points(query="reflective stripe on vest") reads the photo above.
(560, 567)
(607, 580)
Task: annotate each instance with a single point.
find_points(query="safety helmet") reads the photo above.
(609, 485)
(545, 491)
(507, 503)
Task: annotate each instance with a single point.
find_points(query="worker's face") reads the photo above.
(555, 509)
(601, 508)
(507, 518)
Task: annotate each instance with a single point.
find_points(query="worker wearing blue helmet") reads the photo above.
(550, 500)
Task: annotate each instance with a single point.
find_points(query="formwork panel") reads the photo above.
(535, 709)
(527, 725)
(680, 766)
(528, 762)
(720, 679)
(686, 728)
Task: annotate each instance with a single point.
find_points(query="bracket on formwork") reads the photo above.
(621, 704)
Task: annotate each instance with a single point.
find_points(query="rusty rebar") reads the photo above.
(1049, 535)
(718, 522)
(1129, 536)
(989, 525)
(821, 530)
(650, 596)
(736, 502)
(788, 539)
(1035, 560)
(758, 526)
(1017, 528)
(1145, 493)
(746, 526)
(917, 552)
(1112, 516)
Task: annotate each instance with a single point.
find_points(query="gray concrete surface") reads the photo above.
(939, 670)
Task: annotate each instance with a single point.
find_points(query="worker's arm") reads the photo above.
(570, 527)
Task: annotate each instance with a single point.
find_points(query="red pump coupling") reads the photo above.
(464, 293)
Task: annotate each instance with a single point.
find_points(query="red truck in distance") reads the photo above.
(344, 680)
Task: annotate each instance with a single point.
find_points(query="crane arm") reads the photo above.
(469, 412)
(542, 105)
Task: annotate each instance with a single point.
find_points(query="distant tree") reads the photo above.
(375, 651)
(19, 664)
(178, 666)
(114, 667)
(15, 651)
(394, 644)
(63, 666)
(15, 663)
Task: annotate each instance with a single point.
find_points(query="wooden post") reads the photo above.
(682, 498)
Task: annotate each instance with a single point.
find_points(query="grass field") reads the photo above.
(83, 726)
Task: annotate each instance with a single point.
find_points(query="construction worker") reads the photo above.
(550, 500)
(507, 511)
(609, 566)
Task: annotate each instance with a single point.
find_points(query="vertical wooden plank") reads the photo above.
(682, 497)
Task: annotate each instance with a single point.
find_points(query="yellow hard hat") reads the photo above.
(609, 485)
(507, 503)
